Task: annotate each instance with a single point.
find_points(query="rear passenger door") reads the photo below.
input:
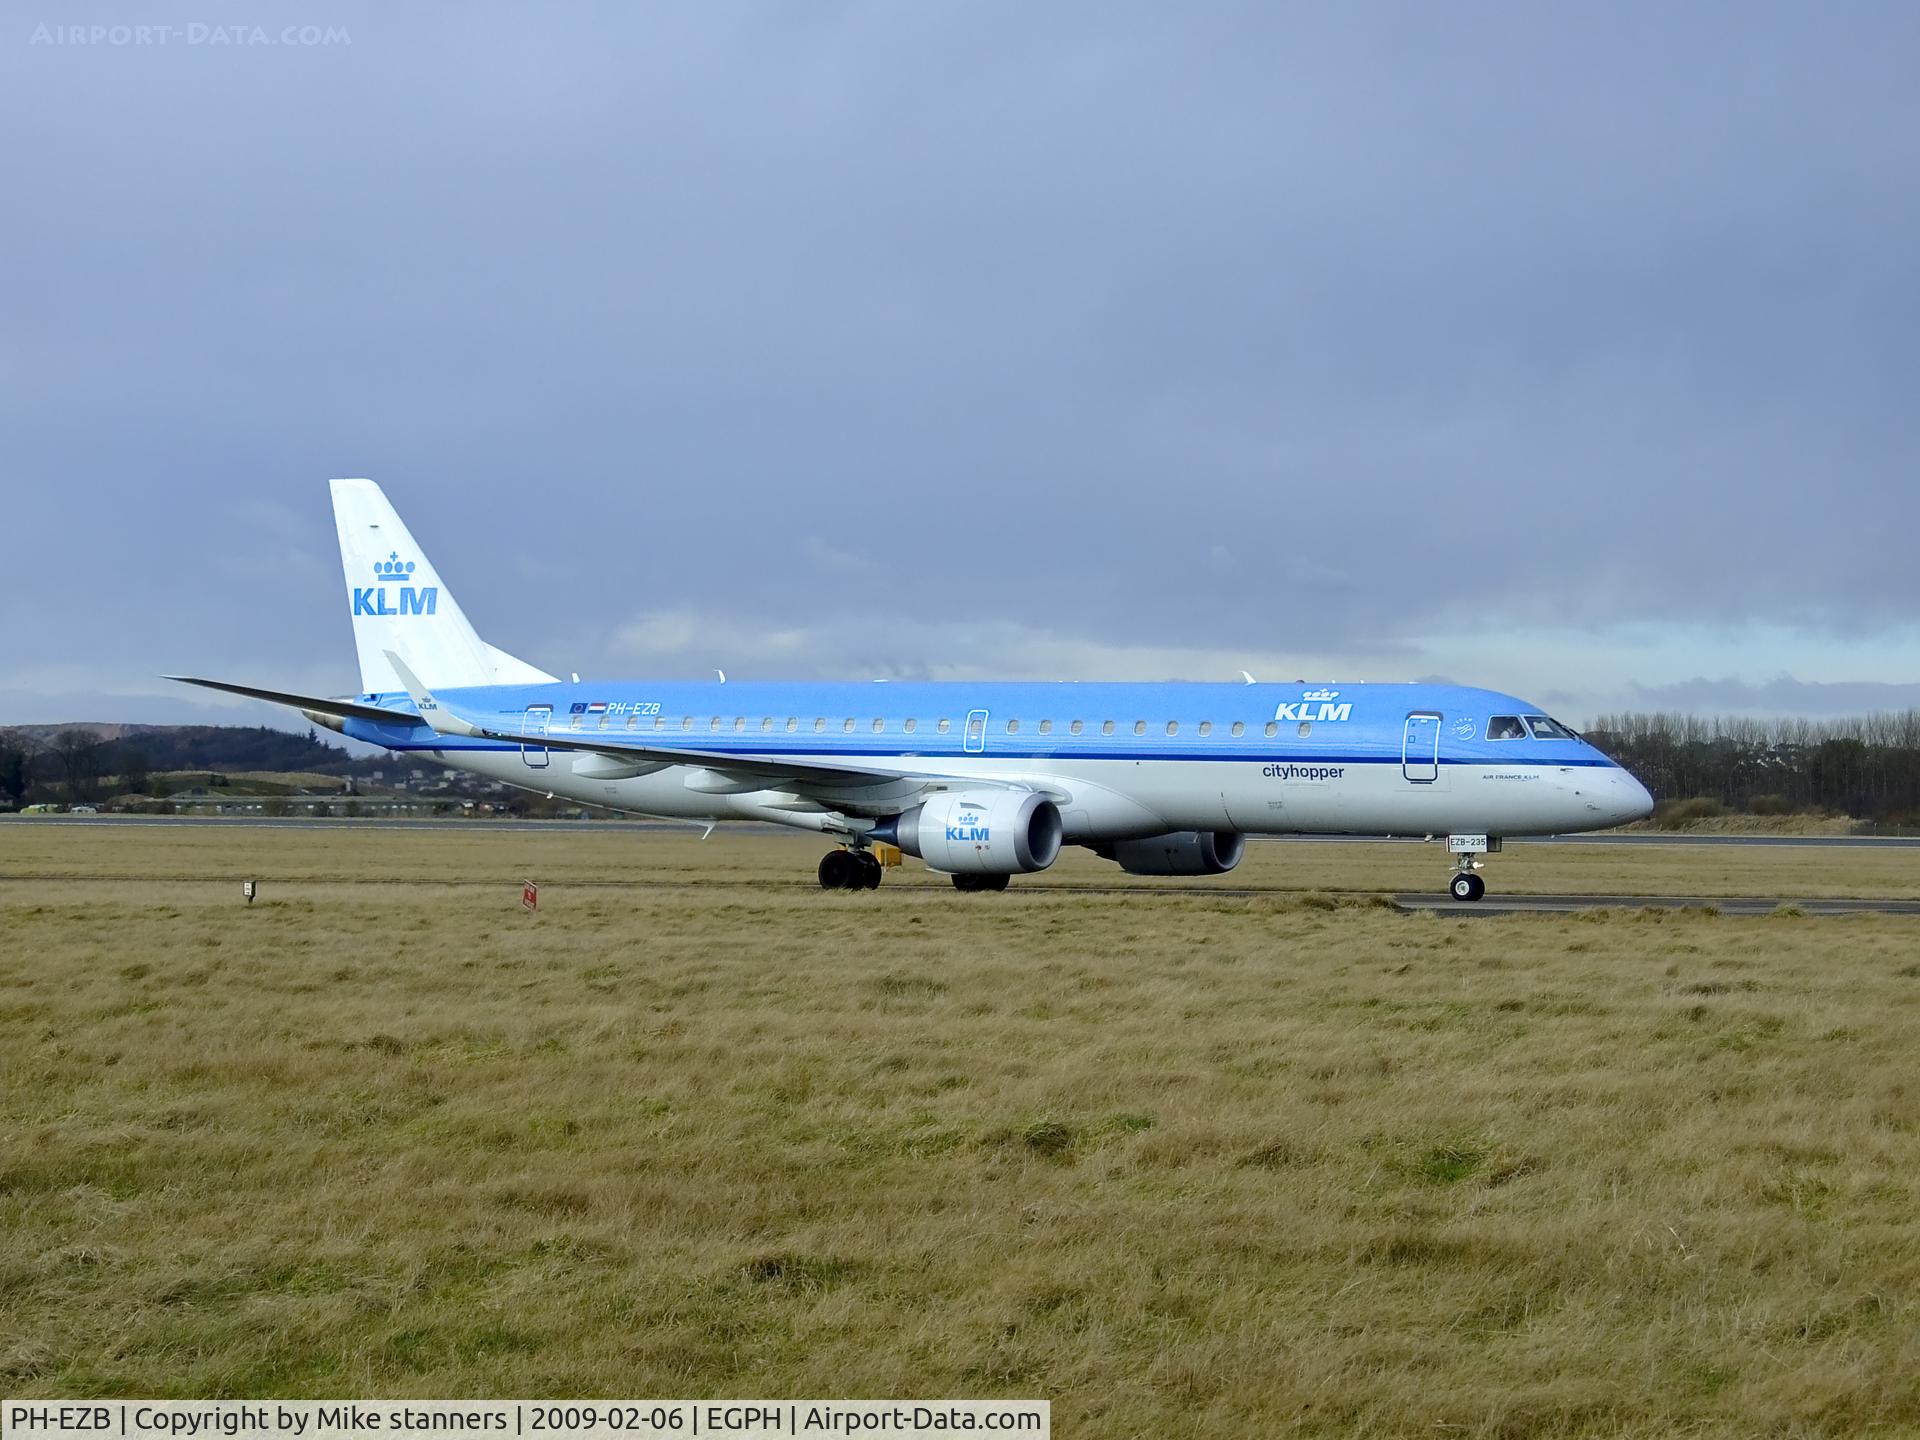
(533, 728)
(974, 741)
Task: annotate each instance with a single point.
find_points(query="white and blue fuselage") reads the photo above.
(1139, 760)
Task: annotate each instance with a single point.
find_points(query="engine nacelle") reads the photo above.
(996, 832)
(1184, 852)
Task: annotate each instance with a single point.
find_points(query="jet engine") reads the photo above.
(1184, 852)
(996, 832)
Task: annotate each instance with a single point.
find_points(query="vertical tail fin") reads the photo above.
(399, 604)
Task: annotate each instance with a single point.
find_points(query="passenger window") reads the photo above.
(633, 722)
(1046, 727)
(714, 724)
(1306, 728)
(1013, 727)
(1273, 729)
(1139, 727)
(911, 725)
(820, 725)
(1239, 728)
(1505, 727)
(1077, 727)
(686, 722)
(575, 723)
(878, 726)
(1173, 727)
(793, 723)
(847, 728)
(1206, 728)
(1106, 727)
(605, 720)
(944, 725)
(739, 723)
(659, 722)
(766, 723)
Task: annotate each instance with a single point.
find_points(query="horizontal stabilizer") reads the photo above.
(346, 709)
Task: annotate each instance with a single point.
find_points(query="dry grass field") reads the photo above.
(1294, 1164)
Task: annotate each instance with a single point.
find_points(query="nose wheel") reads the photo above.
(850, 870)
(1467, 886)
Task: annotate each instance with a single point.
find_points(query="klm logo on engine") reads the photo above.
(394, 595)
(968, 827)
(1315, 705)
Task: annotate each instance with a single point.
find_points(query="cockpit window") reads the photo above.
(1506, 727)
(1545, 729)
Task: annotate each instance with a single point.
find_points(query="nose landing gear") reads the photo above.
(850, 870)
(1467, 850)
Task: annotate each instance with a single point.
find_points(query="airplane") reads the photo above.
(981, 780)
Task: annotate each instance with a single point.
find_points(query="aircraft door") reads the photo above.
(975, 740)
(534, 725)
(1420, 748)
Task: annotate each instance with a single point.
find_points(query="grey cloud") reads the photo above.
(1781, 696)
(902, 646)
(1432, 319)
(827, 556)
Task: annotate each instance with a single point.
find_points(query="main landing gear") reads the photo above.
(850, 870)
(1467, 850)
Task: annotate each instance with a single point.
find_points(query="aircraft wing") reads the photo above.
(786, 769)
(787, 772)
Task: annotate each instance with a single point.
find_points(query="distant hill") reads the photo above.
(198, 747)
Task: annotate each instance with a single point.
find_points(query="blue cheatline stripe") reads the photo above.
(452, 742)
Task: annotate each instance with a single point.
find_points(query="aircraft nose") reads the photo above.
(1634, 800)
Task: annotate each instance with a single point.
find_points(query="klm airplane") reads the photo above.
(980, 780)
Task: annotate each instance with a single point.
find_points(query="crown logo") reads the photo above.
(1321, 695)
(393, 568)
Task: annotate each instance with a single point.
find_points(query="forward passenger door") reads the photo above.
(1420, 748)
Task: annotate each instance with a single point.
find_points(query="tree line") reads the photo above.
(1866, 766)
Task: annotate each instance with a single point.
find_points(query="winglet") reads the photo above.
(444, 722)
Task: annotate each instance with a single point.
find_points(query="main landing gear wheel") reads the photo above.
(980, 882)
(1467, 886)
(849, 870)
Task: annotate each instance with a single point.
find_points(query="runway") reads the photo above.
(1408, 902)
(293, 822)
(1026, 889)
(1724, 904)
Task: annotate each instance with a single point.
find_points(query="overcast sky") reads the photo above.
(1573, 350)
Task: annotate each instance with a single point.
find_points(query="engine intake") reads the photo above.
(1000, 832)
(1184, 852)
